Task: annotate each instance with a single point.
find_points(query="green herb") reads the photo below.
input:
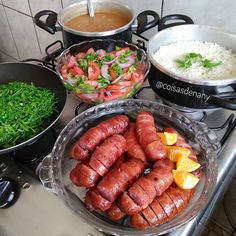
(208, 64)
(118, 70)
(82, 86)
(117, 48)
(107, 57)
(188, 60)
(24, 109)
(93, 56)
(83, 64)
(193, 57)
(132, 69)
(122, 58)
(103, 83)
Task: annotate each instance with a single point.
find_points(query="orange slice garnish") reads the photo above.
(174, 152)
(168, 138)
(186, 164)
(185, 180)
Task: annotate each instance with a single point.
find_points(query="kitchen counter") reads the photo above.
(39, 212)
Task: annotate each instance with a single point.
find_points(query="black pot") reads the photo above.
(39, 76)
(180, 91)
(71, 36)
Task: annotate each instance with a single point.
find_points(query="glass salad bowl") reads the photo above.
(102, 70)
(55, 168)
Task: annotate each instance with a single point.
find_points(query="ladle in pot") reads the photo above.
(90, 8)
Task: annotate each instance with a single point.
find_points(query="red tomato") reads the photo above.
(120, 51)
(93, 70)
(113, 96)
(92, 83)
(72, 71)
(118, 88)
(80, 55)
(90, 50)
(78, 70)
(64, 72)
(136, 77)
(71, 62)
(112, 73)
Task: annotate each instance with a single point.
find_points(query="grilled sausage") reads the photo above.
(114, 212)
(94, 136)
(148, 138)
(87, 173)
(106, 154)
(115, 183)
(145, 189)
(84, 175)
(134, 150)
(162, 208)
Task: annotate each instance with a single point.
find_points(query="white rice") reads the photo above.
(166, 56)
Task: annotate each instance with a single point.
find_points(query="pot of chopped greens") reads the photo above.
(194, 66)
(32, 99)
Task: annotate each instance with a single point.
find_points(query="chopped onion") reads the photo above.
(110, 62)
(104, 71)
(117, 79)
(129, 63)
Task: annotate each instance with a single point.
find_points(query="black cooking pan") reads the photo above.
(42, 77)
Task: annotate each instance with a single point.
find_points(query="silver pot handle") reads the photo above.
(45, 173)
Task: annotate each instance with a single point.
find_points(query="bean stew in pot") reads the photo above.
(102, 21)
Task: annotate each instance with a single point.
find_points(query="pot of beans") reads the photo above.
(111, 20)
(194, 66)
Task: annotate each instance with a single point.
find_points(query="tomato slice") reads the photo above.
(78, 70)
(71, 62)
(90, 50)
(120, 51)
(113, 96)
(80, 55)
(116, 88)
(64, 72)
(136, 77)
(112, 73)
(93, 70)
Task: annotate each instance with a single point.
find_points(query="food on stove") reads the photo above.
(104, 156)
(113, 184)
(134, 150)
(174, 152)
(184, 179)
(184, 163)
(151, 144)
(99, 75)
(102, 21)
(168, 138)
(146, 188)
(24, 109)
(149, 192)
(197, 60)
(163, 208)
(94, 136)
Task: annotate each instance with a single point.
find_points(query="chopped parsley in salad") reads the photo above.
(98, 76)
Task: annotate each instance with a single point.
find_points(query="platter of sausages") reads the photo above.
(134, 167)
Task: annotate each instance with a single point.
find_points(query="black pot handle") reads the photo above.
(50, 24)
(222, 100)
(143, 23)
(182, 19)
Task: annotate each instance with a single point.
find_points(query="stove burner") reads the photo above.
(9, 192)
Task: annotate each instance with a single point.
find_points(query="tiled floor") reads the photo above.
(223, 220)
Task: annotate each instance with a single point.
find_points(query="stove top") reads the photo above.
(35, 204)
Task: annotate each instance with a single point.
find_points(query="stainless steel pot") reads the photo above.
(72, 36)
(203, 94)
